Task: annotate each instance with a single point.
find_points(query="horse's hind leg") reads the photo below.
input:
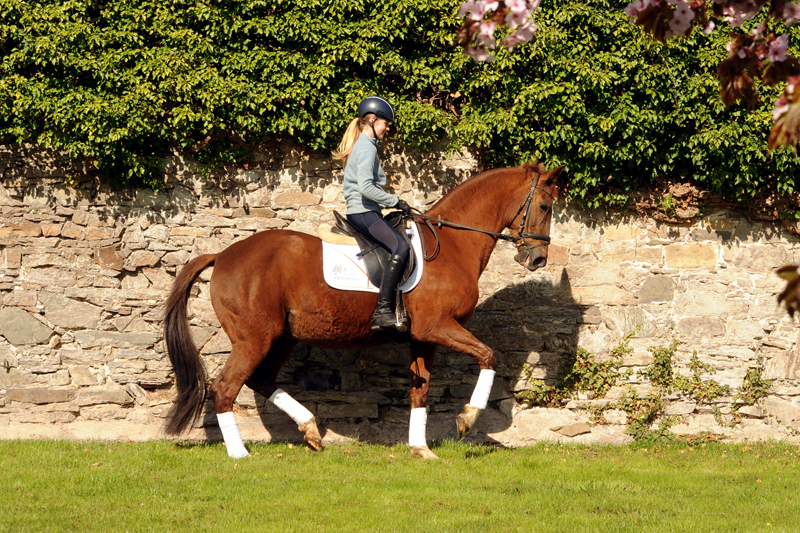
(242, 362)
(421, 365)
(263, 381)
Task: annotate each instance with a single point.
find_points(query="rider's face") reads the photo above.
(381, 127)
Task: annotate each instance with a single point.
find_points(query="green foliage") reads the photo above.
(121, 83)
(642, 412)
(660, 370)
(581, 372)
(754, 386)
(699, 389)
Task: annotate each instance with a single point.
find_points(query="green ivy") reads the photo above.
(120, 84)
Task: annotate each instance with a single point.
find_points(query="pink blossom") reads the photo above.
(758, 29)
(517, 6)
(511, 42)
(777, 48)
(709, 27)
(683, 13)
(791, 13)
(477, 8)
(525, 32)
(479, 54)
(779, 111)
(486, 33)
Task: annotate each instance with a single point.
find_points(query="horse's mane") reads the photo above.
(474, 185)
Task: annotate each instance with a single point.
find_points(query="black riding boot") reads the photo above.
(384, 316)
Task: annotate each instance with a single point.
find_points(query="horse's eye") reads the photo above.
(544, 207)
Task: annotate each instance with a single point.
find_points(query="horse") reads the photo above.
(268, 293)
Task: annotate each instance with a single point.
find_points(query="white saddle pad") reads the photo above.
(345, 271)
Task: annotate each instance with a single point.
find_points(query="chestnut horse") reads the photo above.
(269, 293)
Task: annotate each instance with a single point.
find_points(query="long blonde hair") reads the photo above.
(350, 138)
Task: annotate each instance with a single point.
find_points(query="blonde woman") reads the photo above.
(364, 180)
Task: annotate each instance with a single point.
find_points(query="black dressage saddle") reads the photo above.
(375, 256)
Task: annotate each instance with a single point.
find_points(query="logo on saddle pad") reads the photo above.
(344, 268)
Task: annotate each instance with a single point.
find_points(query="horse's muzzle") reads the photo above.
(532, 258)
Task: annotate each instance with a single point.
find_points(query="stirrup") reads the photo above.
(383, 317)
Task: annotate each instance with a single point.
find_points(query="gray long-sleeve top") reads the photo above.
(364, 179)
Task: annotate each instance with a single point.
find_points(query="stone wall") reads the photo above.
(86, 270)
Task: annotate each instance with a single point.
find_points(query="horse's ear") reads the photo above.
(553, 177)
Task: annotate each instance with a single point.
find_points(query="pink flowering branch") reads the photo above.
(751, 56)
(485, 17)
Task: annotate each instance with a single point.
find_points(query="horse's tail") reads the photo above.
(190, 374)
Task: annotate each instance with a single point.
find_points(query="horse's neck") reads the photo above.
(483, 204)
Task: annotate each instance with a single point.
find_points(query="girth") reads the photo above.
(375, 256)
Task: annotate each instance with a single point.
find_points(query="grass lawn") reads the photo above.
(162, 486)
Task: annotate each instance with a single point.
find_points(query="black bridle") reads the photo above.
(518, 238)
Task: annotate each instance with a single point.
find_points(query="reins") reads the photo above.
(518, 238)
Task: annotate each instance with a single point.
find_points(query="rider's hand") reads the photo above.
(403, 206)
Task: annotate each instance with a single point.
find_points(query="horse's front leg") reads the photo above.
(421, 364)
(452, 335)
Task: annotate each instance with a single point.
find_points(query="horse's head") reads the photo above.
(532, 223)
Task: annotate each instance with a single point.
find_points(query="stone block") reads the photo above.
(602, 294)
(657, 288)
(94, 339)
(20, 328)
(99, 233)
(652, 255)
(109, 257)
(293, 199)
(691, 255)
(326, 411)
(69, 313)
(142, 258)
(762, 258)
(12, 257)
(82, 376)
(784, 410)
(20, 298)
(184, 231)
(103, 395)
(219, 343)
(71, 230)
(701, 327)
(21, 229)
(620, 232)
(40, 395)
(572, 430)
(680, 408)
(208, 220)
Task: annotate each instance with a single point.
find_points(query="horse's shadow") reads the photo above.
(364, 394)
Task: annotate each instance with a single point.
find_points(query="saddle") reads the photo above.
(374, 255)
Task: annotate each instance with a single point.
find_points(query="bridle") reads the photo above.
(517, 238)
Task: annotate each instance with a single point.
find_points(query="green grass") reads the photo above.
(161, 486)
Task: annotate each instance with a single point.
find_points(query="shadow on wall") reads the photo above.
(366, 392)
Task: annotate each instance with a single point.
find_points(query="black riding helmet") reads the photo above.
(377, 106)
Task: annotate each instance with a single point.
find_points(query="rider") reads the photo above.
(364, 180)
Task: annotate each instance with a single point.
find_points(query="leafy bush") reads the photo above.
(119, 83)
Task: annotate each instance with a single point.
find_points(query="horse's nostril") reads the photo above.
(539, 262)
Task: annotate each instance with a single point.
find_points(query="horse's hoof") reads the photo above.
(467, 419)
(311, 434)
(423, 452)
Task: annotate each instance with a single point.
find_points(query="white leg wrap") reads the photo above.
(230, 433)
(480, 396)
(291, 407)
(416, 427)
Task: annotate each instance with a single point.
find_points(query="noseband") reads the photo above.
(518, 238)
